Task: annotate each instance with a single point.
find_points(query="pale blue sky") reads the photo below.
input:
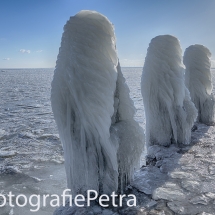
(31, 30)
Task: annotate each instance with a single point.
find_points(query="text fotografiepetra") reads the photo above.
(38, 201)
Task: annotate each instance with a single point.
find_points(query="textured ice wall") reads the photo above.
(88, 98)
(130, 135)
(169, 111)
(198, 81)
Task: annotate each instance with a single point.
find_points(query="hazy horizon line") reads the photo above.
(54, 67)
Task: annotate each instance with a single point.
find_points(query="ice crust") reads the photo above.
(92, 108)
(169, 111)
(198, 81)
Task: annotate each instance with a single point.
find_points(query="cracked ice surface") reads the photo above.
(188, 183)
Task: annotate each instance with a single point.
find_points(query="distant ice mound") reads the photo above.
(169, 111)
(198, 81)
(92, 108)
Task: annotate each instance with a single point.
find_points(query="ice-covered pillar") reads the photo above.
(169, 111)
(92, 108)
(198, 81)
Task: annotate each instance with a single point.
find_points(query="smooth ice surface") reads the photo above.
(93, 111)
(170, 113)
(198, 81)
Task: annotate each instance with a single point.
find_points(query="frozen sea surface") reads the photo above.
(31, 155)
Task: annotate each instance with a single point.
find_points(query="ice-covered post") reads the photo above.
(198, 81)
(169, 111)
(92, 108)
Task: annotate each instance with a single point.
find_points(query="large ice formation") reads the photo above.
(169, 111)
(92, 108)
(198, 81)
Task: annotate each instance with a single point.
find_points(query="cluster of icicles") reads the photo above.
(95, 114)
